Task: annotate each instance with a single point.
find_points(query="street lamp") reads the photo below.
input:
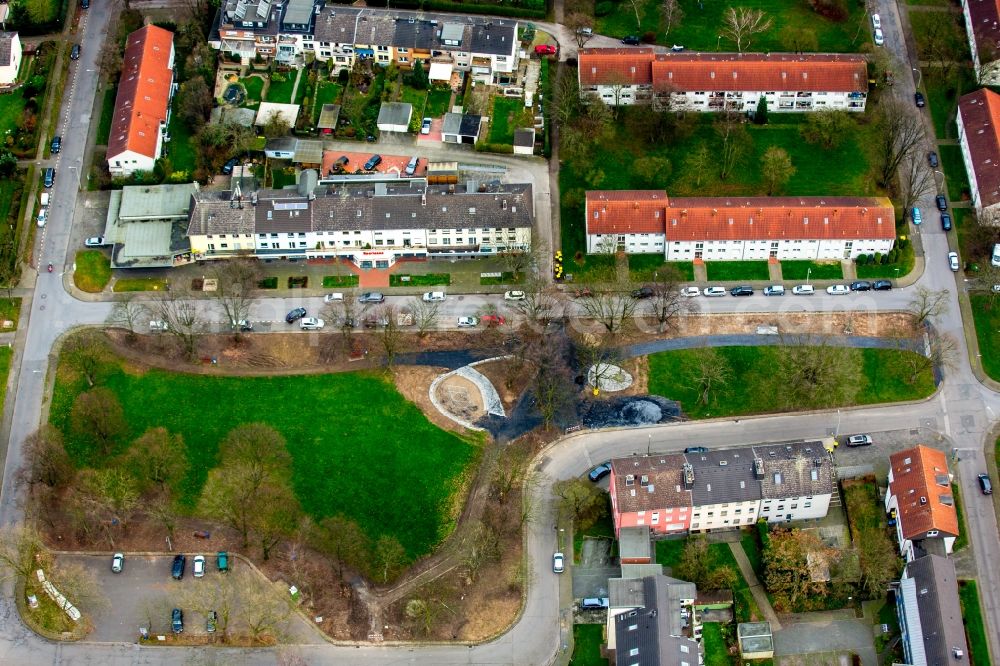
(897, 272)
(920, 76)
(808, 273)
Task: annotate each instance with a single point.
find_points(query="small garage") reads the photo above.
(461, 128)
(395, 117)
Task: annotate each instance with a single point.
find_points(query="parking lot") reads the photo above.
(144, 594)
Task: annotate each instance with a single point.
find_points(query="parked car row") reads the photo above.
(798, 290)
(180, 562)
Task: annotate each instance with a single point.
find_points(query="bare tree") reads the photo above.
(698, 165)
(84, 351)
(19, 544)
(928, 304)
(611, 303)
(740, 25)
(667, 305)
(553, 382)
(814, 372)
(539, 304)
(46, 461)
(579, 24)
(78, 584)
(915, 181)
(776, 168)
(279, 512)
(566, 105)
(344, 541)
(260, 448)
(342, 314)
(182, 316)
(708, 372)
(899, 133)
(162, 510)
(425, 315)
(390, 334)
(942, 352)
(113, 495)
(159, 457)
(237, 280)
(262, 608)
(388, 557)
(736, 141)
(672, 14)
(597, 356)
(98, 416)
(127, 313)
(827, 127)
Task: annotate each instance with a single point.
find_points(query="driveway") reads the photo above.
(827, 636)
(590, 576)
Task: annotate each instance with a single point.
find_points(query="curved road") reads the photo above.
(962, 413)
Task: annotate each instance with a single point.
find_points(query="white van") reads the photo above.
(45, 199)
(995, 259)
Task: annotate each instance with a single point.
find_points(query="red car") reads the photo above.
(492, 320)
(545, 49)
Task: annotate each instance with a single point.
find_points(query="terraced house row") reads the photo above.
(340, 34)
(790, 82)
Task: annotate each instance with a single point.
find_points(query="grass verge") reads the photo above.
(107, 115)
(810, 270)
(986, 316)
(10, 310)
(426, 280)
(974, 629)
(884, 377)
(339, 281)
(737, 270)
(141, 284)
(587, 639)
(93, 271)
(954, 171)
(962, 540)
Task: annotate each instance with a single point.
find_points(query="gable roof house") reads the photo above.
(930, 613)
(652, 622)
(982, 30)
(920, 492)
(142, 106)
(10, 57)
(979, 138)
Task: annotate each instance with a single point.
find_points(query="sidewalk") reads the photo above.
(756, 589)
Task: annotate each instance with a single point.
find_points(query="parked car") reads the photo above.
(335, 297)
(932, 159)
(514, 296)
(696, 449)
(177, 568)
(425, 127)
(861, 285)
(49, 177)
(876, 21)
(803, 290)
(244, 325)
(953, 261)
(372, 162)
(882, 285)
(945, 221)
(942, 202)
(228, 167)
(774, 290)
(85, 4)
(198, 566)
(985, 485)
(158, 325)
(558, 563)
(43, 217)
(859, 440)
(643, 292)
(177, 620)
(56, 144)
(918, 98)
(917, 217)
(690, 292)
(434, 296)
(631, 40)
(295, 315)
(599, 472)
(838, 290)
(743, 290)
(492, 320)
(594, 603)
(312, 324)
(74, 53)
(117, 562)
(94, 241)
(371, 297)
(222, 561)
(340, 164)
(879, 37)
(211, 621)
(545, 49)
(995, 257)
(467, 322)
(714, 291)
(411, 166)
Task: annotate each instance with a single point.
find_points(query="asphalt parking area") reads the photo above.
(590, 576)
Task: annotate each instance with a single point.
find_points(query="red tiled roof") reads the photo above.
(984, 16)
(980, 113)
(922, 472)
(143, 92)
(658, 483)
(749, 218)
(682, 72)
(615, 66)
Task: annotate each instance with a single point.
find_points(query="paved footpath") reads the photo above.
(756, 589)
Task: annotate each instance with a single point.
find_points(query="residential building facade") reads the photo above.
(790, 82)
(982, 30)
(734, 229)
(10, 57)
(978, 123)
(142, 105)
(371, 224)
(920, 493)
(930, 613)
(721, 489)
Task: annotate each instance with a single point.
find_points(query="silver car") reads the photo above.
(371, 297)
(311, 324)
(714, 291)
(467, 322)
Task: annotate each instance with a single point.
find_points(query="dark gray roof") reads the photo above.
(524, 138)
(6, 47)
(634, 542)
(395, 113)
(724, 475)
(363, 206)
(298, 12)
(795, 469)
(652, 635)
(494, 38)
(470, 125)
(936, 591)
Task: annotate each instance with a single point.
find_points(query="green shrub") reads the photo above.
(604, 8)
(861, 260)
(878, 258)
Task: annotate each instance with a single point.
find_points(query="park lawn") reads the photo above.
(699, 30)
(506, 118)
(987, 320)
(737, 270)
(107, 114)
(340, 280)
(437, 102)
(975, 631)
(362, 451)
(819, 270)
(751, 389)
(280, 92)
(93, 271)
(954, 170)
(587, 640)
(426, 280)
(141, 284)
(716, 651)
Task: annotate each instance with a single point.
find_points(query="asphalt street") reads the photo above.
(959, 417)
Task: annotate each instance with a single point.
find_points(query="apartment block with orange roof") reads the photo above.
(920, 493)
(790, 82)
(982, 29)
(142, 106)
(979, 138)
(732, 229)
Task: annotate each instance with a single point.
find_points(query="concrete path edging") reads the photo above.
(756, 589)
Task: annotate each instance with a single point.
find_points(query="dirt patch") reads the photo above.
(414, 382)
(462, 398)
(509, 379)
(638, 367)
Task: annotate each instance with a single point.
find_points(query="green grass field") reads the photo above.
(699, 29)
(93, 271)
(714, 644)
(10, 310)
(974, 629)
(646, 266)
(426, 280)
(107, 115)
(587, 640)
(11, 108)
(754, 383)
(437, 102)
(182, 145)
(357, 446)
(736, 270)
(255, 89)
(507, 116)
(954, 171)
(811, 270)
(140, 284)
(962, 540)
(987, 320)
(5, 356)
(943, 94)
(340, 280)
(280, 92)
